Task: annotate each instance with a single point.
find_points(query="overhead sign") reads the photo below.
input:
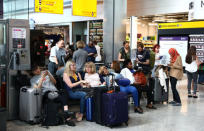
(1, 9)
(49, 6)
(196, 10)
(181, 25)
(84, 8)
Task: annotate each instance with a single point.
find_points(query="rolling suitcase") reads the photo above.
(114, 108)
(160, 94)
(89, 109)
(97, 104)
(30, 104)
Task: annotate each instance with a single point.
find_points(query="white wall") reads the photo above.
(143, 28)
(153, 7)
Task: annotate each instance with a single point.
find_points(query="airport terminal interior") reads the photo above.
(97, 65)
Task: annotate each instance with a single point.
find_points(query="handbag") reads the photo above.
(52, 95)
(140, 78)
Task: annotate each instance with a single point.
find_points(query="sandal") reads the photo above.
(80, 118)
(138, 110)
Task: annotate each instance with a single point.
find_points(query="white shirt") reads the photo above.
(53, 52)
(57, 52)
(98, 49)
(126, 73)
(192, 67)
(92, 79)
(157, 61)
(47, 84)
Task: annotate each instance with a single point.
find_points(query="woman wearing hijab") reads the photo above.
(176, 73)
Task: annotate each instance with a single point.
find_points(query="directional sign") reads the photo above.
(49, 6)
(84, 8)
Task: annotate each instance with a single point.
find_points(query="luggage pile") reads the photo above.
(161, 84)
(104, 106)
(107, 107)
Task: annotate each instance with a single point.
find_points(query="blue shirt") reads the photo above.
(90, 50)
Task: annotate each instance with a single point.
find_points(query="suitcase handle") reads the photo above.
(24, 90)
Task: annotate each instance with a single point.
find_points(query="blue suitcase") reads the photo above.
(89, 109)
(114, 108)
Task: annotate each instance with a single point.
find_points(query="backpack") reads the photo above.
(152, 59)
(140, 78)
(52, 114)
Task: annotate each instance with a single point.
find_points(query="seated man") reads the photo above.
(45, 81)
(128, 73)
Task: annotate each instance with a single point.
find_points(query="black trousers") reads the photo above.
(148, 90)
(62, 98)
(176, 96)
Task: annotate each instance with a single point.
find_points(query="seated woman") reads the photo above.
(45, 81)
(103, 74)
(72, 82)
(127, 72)
(115, 66)
(91, 77)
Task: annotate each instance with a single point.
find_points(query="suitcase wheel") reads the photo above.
(126, 123)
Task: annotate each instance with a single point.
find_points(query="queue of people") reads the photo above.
(81, 72)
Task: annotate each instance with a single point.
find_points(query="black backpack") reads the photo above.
(52, 114)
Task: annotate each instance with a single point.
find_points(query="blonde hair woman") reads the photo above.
(91, 76)
(72, 82)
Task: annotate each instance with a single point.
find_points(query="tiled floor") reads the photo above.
(188, 117)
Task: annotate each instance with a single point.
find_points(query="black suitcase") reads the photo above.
(51, 115)
(97, 102)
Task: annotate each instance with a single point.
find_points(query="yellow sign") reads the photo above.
(181, 25)
(49, 6)
(84, 8)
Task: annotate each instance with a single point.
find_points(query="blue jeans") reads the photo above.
(194, 77)
(133, 91)
(52, 68)
(78, 95)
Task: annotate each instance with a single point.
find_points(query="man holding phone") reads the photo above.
(143, 58)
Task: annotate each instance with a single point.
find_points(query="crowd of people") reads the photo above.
(81, 72)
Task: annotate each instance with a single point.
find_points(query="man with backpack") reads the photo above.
(45, 81)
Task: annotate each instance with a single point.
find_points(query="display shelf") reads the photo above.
(96, 34)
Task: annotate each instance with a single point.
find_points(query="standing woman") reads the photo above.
(176, 73)
(192, 64)
(157, 58)
(124, 53)
(80, 56)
